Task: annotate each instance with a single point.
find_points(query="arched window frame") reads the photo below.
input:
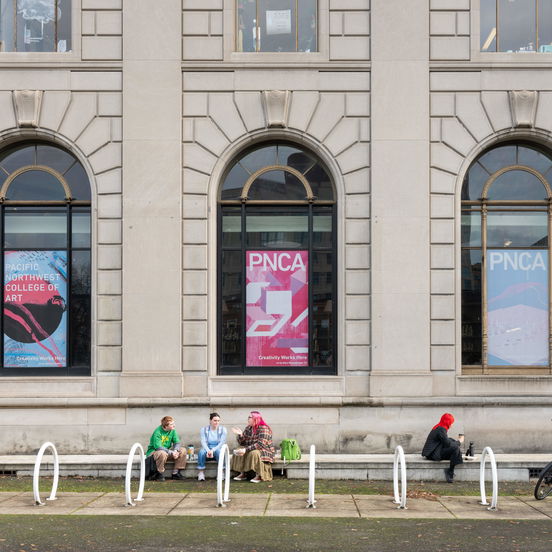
(242, 204)
(78, 255)
(485, 206)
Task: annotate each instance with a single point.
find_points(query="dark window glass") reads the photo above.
(276, 230)
(517, 26)
(35, 185)
(80, 309)
(232, 306)
(545, 28)
(78, 182)
(322, 309)
(471, 306)
(517, 184)
(55, 158)
(234, 182)
(322, 228)
(81, 227)
(471, 229)
(277, 186)
(259, 158)
(517, 229)
(231, 229)
(474, 182)
(534, 159)
(320, 183)
(18, 157)
(488, 25)
(498, 158)
(35, 228)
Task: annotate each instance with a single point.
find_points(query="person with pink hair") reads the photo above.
(256, 452)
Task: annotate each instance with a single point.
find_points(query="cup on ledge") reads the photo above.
(461, 437)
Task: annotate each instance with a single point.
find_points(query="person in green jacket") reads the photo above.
(165, 445)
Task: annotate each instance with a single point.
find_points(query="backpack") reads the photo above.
(151, 468)
(289, 450)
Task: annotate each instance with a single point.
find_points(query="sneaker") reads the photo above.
(449, 475)
(178, 476)
(160, 477)
(201, 476)
(240, 478)
(255, 480)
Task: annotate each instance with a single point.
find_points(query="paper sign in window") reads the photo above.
(278, 22)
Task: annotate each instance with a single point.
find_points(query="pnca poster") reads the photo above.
(277, 324)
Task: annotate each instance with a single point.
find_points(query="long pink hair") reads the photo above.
(257, 420)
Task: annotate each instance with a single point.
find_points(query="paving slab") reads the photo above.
(377, 506)
(65, 503)
(6, 495)
(205, 504)
(155, 504)
(543, 506)
(295, 505)
(468, 507)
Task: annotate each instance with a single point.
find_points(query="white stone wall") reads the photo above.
(102, 30)
(82, 111)
(202, 29)
(449, 30)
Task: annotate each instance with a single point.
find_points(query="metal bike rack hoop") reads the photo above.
(36, 473)
(128, 475)
(399, 457)
(312, 477)
(224, 461)
(488, 452)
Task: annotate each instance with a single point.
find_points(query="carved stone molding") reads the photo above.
(276, 107)
(523, 104)
(27, 107)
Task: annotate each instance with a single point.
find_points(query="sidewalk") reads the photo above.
(276, 505)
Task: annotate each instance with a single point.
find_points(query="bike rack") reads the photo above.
(488, 451)
(128, 475)
(224, 460)
(399, 457)
(36, 474)
(312, 476)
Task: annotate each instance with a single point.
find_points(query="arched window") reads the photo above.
(45, 221)
(277, 264)
(506, 218)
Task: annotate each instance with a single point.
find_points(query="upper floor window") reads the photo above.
(516, 25)
(46, 268)
(35, 25)
(506, 220)
(276, 25)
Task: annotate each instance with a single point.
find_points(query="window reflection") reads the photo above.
(516, 26)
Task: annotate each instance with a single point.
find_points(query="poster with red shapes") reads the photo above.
(35, 309)
(277, 315)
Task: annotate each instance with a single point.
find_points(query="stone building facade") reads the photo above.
(396, 100)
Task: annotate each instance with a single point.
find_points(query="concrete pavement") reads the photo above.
(276, 505)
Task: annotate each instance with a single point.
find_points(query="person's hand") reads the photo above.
(209, 454)
(175, 454)
(237, 430)
(461, 438)
(239, 452)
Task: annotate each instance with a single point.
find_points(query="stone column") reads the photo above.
(152, 112)
(400, 198)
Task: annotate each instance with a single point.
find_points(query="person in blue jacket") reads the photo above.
(213, 437)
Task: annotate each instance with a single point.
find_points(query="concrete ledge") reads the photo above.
(511, 467)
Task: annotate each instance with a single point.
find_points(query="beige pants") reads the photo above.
(161, 458)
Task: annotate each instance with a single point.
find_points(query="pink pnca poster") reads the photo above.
(277, 324)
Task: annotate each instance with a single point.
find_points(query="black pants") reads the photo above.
(451, 453)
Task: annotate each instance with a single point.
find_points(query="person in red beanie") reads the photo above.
(439, 446)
